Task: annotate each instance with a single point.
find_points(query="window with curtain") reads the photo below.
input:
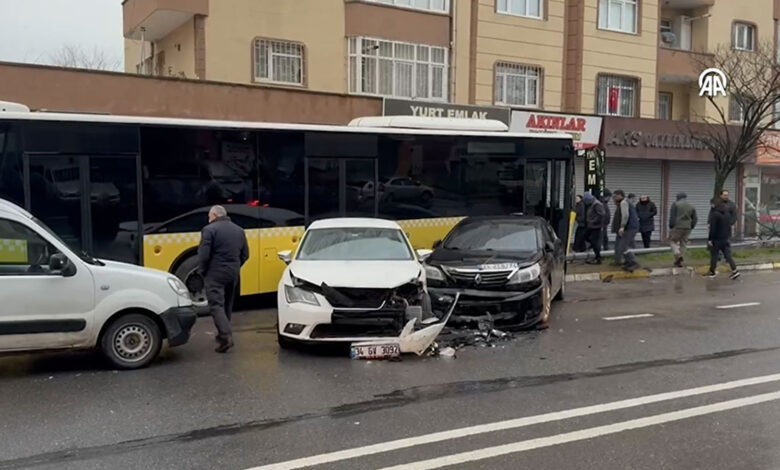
(517, 85)
(618, 15)
(530, 8)
(617, 96)
(278, 61)
(664, 106)
(744, 37)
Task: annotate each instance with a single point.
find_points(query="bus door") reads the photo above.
(341, 187)
(91, 202)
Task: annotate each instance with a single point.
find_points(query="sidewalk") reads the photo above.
(660, 264)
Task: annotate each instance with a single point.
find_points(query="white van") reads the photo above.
(51, 298)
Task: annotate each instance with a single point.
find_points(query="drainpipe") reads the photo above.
(453, 48)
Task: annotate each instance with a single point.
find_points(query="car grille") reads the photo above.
(357, 298)
(482, 279)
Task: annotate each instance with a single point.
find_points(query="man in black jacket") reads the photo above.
(647, 212)
(223, 250)
(718, 241)
(579, 232)
(594, 217)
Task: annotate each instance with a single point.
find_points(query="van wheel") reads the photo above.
(189, 275)
(131, 341)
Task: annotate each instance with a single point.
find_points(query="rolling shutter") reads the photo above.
(697, 180)
(638, 177)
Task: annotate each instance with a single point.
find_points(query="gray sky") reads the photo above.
(31, 30)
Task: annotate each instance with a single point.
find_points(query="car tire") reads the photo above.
(131, 341)
(562, 292)
(187, 271)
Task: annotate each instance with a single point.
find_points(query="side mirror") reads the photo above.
(59, 264)
(285, 256)
(549, 247)
(436, 244)
(423, 254)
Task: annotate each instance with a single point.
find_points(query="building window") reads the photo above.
(744, 37)
(618, 15)
(517, 85)
(430, 5)
(400, 69)
(736, 108)
(664, 106)
(530, 8)
(278, 61)
(617, 96)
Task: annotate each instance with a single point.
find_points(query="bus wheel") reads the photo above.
(188, 273)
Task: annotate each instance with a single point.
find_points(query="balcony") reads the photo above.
(679, 66)
(686, 4)
(155, 19)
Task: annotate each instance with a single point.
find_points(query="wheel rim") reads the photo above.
(133, 342)
(196, 285)
(546, 303)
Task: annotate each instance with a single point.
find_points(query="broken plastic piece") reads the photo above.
(418, 342)
(447, 352)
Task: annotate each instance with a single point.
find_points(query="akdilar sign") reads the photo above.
(585, 130)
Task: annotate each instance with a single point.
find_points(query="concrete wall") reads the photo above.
(179, 50)
(59, 89)
(681, 103)
(719, 25)
(461, 53)
(232, 26)
(631, 55)
(527, 41)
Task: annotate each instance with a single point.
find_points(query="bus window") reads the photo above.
(11, 178)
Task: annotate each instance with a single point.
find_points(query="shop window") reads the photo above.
(618, 15)
(399, 69)
(744, 36)
(279, 61)
(617, 96)
(664, 106)
(529, 8)
(517, 85)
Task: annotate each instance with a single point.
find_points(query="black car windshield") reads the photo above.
(355, 244)
(493, 236)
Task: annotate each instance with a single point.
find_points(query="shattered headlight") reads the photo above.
(528, 274)
(433, 273)
(298, 295)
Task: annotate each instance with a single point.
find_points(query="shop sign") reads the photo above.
(768, 152)
(654, 140)
(393, 107)
(585, 130)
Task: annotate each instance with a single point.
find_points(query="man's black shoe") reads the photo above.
(224, 346)
(593, 261)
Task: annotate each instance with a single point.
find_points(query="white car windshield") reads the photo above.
(355, 244)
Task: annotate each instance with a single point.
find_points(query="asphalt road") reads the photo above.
(680, 383)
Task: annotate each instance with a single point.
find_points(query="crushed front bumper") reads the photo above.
(505, 309)
(178, 322)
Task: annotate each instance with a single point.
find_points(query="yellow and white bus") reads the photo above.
(138, 189)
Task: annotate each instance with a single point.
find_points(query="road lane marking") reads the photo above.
(590, 433)
(425, 439)
(748, 304)
(629, 317)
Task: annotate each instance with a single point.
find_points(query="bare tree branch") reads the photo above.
(753, 84)
(77, 57)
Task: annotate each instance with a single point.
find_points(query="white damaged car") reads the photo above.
(357, 280)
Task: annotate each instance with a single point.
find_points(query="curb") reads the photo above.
(660, 272)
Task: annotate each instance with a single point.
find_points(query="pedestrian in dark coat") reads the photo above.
(223, 250)
(605, 197)
(647, 212)
(594, 218)
(579, 232)
(718, 240)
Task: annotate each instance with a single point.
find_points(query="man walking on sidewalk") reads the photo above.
(594, 217)
(625, 225)
(647, 212)
(718, 240)
(605, 196)
(223, 250)
(682, 220)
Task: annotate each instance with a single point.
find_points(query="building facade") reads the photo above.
(632, 61)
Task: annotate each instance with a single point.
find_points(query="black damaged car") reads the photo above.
(507, 269)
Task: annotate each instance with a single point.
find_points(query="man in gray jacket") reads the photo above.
(682, 220)
(223, 250)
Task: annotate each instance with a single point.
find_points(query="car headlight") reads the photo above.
(298, 295)
(528, 274)
(434, 274)
(178, 287)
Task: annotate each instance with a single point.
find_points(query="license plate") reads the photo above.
(375, 351)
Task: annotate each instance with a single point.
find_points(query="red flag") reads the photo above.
(614, 97)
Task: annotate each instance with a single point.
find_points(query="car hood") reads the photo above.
(363, 274)
(131, 269)
(457, 258)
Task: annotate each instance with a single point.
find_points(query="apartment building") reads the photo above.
(630, 61)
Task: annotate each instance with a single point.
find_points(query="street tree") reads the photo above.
(736, 130)
(73, 56)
